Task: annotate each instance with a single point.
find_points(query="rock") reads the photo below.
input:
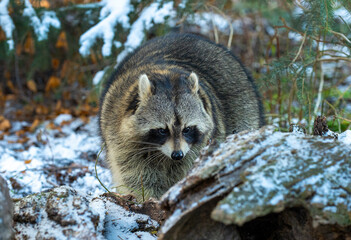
(264, 185)
(6, 211)
(64, 213)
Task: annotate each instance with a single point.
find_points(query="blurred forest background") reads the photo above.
(56, 55)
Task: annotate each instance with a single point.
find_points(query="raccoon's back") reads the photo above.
(220, 72)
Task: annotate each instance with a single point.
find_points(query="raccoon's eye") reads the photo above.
(192, 135)
(162, 131)
(187, 130)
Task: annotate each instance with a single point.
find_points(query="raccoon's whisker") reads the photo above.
(147, 143)
(140, 153)
(136, 154)
(147, 148)
(161, 159)
(152, 157)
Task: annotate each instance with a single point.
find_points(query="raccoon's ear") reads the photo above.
(194, 82)
(145, 90)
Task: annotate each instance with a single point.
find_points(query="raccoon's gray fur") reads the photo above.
(165, 102)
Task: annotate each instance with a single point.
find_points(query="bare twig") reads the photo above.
(340, 35)
(319, 95)
(300, 49)
(231, 29)
(333, 59)
(300, 5)
(97, 177)
(215, 31)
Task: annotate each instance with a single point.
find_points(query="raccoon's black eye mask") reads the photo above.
(192, 135)
(158, 136)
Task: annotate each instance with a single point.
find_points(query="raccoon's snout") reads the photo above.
(177, 155)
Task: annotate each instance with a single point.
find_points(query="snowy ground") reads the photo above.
(60, 152)
(63, 152)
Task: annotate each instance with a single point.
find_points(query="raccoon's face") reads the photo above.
(171, 116)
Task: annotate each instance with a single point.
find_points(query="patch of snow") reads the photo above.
(70, 206)
(89, 5)
(117, 44)
(346, 85)
(41, 27)
(65, 156)
(330, 133)
(112, 13)
(344, 14)
(6, 23)
(294, 36)
(98, 77)
(183, 4)
(61, 118)
(345, 137)
(121, 224)
(155, 13)
(206, 20)
(297, 129)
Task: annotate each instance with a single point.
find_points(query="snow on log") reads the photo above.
(265, 184)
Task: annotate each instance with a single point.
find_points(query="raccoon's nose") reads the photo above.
(177, 155)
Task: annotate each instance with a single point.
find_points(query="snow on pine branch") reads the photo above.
(112, 13)
(115, 12)
(150, 15)
(6, 23)
(41, 28)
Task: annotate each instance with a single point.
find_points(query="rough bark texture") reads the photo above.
(6, 211)
(266, 185)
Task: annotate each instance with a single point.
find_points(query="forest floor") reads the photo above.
(62, 151)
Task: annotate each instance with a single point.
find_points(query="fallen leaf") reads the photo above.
(29, 46)
(40, 4)
(7, 75)
(53, 83)
(19, 49)
(10, 86)
(2, 35)
(11, 97)
(65, 66)
(23, 140)
(32, 86)
(55, 63)
(34, 125)
(28, 161)
(62, 41)
(15, 184)
(20, 132)
(52, 126)
(5, 124)
(93, 57)
(63, 123)
(41, 110)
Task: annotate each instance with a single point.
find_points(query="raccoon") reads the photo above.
(165, 102)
